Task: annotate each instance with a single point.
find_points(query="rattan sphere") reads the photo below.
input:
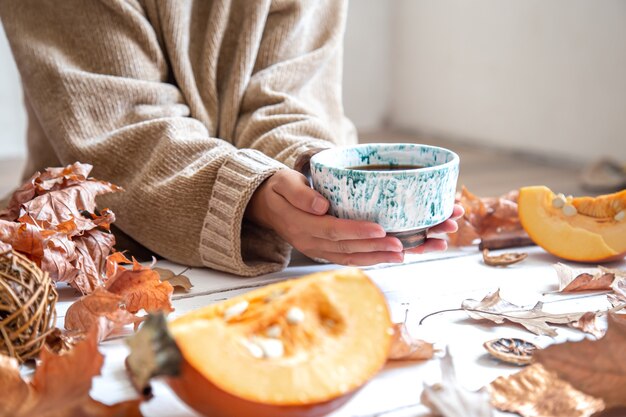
(27, 306)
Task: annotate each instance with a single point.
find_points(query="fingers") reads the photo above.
(294, 187)
(386, 244)
(448, 226)
(334, 229)
(430, 245)
(363, 259)
(458, 212)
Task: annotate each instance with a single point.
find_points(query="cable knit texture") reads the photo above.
(189, 105)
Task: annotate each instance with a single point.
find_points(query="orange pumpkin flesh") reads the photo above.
(340, 344)
(593, 234)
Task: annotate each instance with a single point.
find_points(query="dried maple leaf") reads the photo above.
(504, 259)
(450, 399)
(486, 217)
(40, 183)
(55, 207)
(53, 220)
(141, 288)
(405, 347)
(101, 310)
(494, 308)
(536, 392)
(113, 306)
(60, 386)
(597, 368)
(178, 281)
(595, 280)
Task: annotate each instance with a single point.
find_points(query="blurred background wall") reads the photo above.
(545, 78)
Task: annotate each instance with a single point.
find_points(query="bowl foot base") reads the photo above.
(410, 238)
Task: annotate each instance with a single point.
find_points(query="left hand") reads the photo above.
(449, 226)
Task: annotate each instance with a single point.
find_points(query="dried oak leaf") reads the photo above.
(537, 392)
(486, 217)
(619, 289)
(60, 386)
(406, 347)
(178, 281)
(597, 368)
(504, 259)
(140, 287)
(595, 280)
(494, 308)
(588, 323)
(450, 399)
(101, 310)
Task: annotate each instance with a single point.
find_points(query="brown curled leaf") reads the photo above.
(504, 259)
(405, 348)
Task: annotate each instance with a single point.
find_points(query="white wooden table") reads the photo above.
(423, 284)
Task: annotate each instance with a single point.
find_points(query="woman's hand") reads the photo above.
(287, 205)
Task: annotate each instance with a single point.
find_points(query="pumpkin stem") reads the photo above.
(153, 352)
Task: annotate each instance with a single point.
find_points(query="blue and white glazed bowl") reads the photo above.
(404, 202)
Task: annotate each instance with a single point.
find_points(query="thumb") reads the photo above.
(294, 187)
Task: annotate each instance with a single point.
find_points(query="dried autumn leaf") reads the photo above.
(494, 308)
(597, 368)
(504, 259)
(141, 288)
(54, 222)
(619, 288)
(588, 323)
(536, 392)
(55, 207)
(178, 281)
(92, 249)
(405, 347)
(60, 386)
(595, 280)
(101, 310)
(60, 342)
(40, 183)
(486, 217)
(450, 399)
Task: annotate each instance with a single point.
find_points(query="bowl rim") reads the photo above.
(454, 161)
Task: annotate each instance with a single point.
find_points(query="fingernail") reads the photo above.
(377, 233)
(319, 205)
(397, 258)
(395, 246)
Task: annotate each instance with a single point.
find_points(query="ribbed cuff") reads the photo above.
(227, 242)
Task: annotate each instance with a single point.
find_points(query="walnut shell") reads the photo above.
(511, 350)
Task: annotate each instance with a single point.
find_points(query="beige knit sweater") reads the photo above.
(189, 105)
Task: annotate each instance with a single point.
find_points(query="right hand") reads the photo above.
(287, 205)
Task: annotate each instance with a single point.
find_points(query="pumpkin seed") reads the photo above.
(569, 210)
(274, 331)
(620, 216)
(295, 315)
(235, 310)
(558, 201)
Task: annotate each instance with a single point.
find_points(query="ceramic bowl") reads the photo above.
(405, 202)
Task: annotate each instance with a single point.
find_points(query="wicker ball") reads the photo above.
(27, 306)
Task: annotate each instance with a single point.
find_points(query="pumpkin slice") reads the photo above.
(583, 229)
(297, 348)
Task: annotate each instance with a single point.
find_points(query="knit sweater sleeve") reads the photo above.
(293, 102)
(97, 79)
